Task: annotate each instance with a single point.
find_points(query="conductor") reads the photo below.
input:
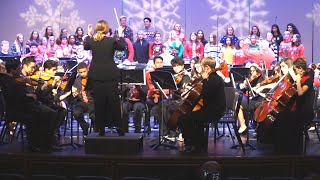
(103, 75)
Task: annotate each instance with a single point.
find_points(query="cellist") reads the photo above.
(182, 77)
(290, 123)
(214, 105)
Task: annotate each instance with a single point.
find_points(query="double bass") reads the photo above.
(282, 98)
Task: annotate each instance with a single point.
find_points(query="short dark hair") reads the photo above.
(82, 65)
(50, 64)
(34, 44)
(28, 60)
(157, 57)
(12, 64)
(147, 18)
(177, 60)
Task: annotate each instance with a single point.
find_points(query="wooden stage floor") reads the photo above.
(162, 163)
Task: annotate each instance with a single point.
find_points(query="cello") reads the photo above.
(282, 98)
(194, 95)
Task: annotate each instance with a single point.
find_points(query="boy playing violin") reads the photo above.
(39, 127)
(81, 99)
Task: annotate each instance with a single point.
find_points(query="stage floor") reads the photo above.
(161, 163)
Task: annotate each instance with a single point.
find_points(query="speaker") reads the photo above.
(131, 143)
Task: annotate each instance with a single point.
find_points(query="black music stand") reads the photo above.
(68, 87)
(162, 80)
(131, 75)
(239, 75)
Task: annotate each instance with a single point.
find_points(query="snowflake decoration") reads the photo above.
(52, 16)
(315, 14)
(235, 13)
(162, 14)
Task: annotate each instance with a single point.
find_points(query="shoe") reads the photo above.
(170, 138)
(180, 138)
(120, 132)
(35, 149)
(54, 148)
(312, 128)
(242, 130)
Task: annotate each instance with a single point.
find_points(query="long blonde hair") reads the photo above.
(102, 28)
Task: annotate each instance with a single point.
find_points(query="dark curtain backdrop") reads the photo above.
(211, 16)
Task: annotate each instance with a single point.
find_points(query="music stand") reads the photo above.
(239, 74)
(131, 75)
(68, 87)
(162, 80)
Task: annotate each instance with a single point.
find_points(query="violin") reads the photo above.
(179, 77)
(29, 81)
(84, 82)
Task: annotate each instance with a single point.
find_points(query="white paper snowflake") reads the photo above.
(315, 14)
(162, 13)
(235, 13)
(42, 14)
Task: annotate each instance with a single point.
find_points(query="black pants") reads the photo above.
(192, 127)
(138, 109)
(60, 115)
(42, 126)
(289, 133)
(156, 111)
(80, 108)
(106, 100)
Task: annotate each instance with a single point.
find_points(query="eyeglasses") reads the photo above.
(32, 67)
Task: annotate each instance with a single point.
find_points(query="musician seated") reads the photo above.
(135, 99)
(46, 93)
(254, 78)
(81, 99)
(182, 77)
(214, 105)
(28, 69)
(154, 96)
(39, 128)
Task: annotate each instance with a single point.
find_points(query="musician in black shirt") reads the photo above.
(214, 105)
(39, 118)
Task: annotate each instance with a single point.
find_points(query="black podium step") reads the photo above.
(131, 143)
